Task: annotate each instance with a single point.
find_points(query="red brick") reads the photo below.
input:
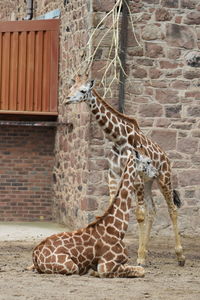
(164, 64)
(194, 94)
(180, 84)
(163, 14)
(192, 74)
(170, 3)
(89, 204)
(139, 73)
(189, 177)
(159, 136)
(191, 4)
(155, 73)
(150, 110)
(173, 53)
(165, 96)
(193, 18)
(180, 36)
(103, 5)
(188, 145)
(154, 50)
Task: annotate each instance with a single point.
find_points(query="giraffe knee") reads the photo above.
(140, 214)
(173, 214)
(179, 250)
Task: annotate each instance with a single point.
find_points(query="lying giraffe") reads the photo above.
(125, 134)
(99, 246)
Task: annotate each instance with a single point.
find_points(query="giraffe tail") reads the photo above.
(176, 197)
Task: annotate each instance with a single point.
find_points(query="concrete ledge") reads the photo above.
(20, 231)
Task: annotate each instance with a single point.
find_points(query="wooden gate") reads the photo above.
(29, 67)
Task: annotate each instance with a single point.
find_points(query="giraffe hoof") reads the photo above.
(93, 273)
(141, 265)
(181, 263)
(139, 272)
(29, 268)
(141, 262)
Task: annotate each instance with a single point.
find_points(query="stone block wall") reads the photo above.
(163, 94)
(169, 91)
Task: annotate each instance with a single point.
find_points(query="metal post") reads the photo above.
(122, 54)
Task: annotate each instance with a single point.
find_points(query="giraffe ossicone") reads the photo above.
(125, 133)
(98, 248)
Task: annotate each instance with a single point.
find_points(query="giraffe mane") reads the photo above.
(100, 218)
(120, 115)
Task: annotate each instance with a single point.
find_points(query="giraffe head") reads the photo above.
(80, 90)
(144, 166)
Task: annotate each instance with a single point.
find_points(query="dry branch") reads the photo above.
(113, 64)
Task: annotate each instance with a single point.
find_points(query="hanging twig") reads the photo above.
(113, 64)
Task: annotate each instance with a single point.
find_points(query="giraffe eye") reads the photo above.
(83, 92)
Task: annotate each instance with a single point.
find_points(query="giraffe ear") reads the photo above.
(91, 83)
(137, 154)
(129, 153)
(72, 82)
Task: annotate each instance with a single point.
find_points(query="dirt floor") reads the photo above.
(164, 278)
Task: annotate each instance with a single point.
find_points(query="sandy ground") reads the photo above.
(164, 278)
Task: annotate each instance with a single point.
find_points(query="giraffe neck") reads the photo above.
(116, 217)
(112, 122)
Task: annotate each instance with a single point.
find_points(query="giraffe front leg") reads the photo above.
(114, 269)
(140, 213)
(168, 194)
(113, 264)
(149, 215)
(140, 216)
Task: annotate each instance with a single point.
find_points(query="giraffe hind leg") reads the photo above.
(150, 214)
(64, 266)
(171, 200)
(67, 268)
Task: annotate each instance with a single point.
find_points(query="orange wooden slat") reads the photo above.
(38, 71)
(30, 113)
(33, 25)
(0, 65)
(30, 68)
(5, 71)
(13, 71)
(54, 71)
(22, 71)
(46, 71)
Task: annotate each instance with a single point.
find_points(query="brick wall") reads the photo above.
(26, 163)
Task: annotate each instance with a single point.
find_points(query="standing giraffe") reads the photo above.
(100, 245)
(125, 134)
